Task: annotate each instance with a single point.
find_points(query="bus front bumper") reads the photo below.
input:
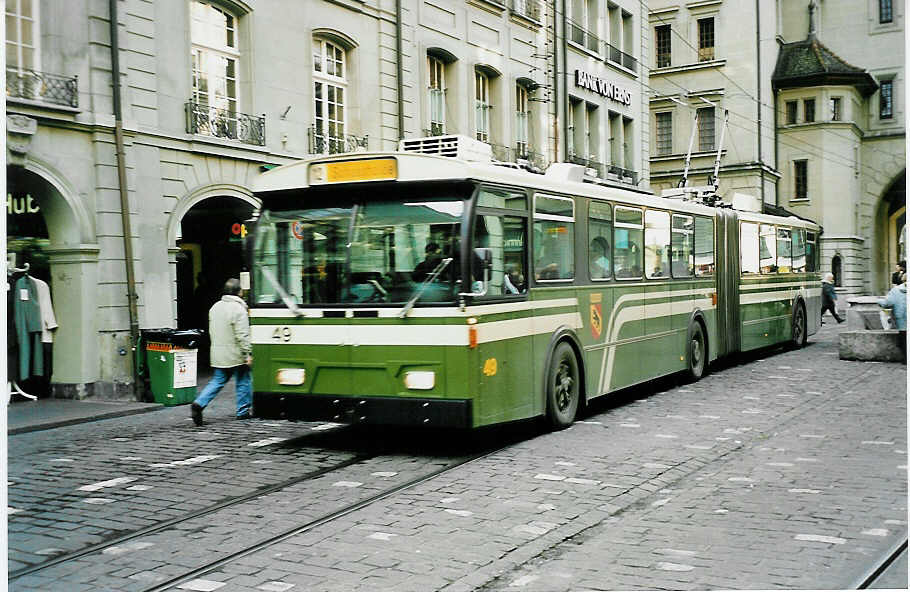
(450, 413)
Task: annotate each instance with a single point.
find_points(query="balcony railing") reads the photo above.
(586, 39)
(43, 87)
(223, 123)
(323, 143)
(530, 9)
(520, 155)
(617, 56)
(624, 175)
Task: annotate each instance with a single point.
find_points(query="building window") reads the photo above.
(329, 91)
(885, 14)
(800, 179)
(215, 54)
(662, 36)
(436, 97)
(837, 269)
(705, 39)
(571, 136)
(834, 106)
(664, 133)
(482, 106)
(886, 92)
(706, 129)
(22, 36)
(791, 112)
(522, 119)
(583, 24)
(809, 110)
(592, 136)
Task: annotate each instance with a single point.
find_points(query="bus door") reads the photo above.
(625, 325)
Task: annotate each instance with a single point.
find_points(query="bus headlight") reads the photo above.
(422, 380)
(290, 376)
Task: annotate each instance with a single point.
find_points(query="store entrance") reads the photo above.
(211, 252)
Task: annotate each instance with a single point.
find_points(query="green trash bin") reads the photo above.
(170, 356)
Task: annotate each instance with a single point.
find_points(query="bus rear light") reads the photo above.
(290, 376)
(472, 336)
(422, 380)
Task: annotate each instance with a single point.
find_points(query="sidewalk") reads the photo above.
(43, 414)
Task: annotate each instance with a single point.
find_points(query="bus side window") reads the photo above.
(748, 248)
(784, 250)
(682, 245)
(554, 238)
(704, 246)
(767, 246)
(811, 252)
(600, 231)
(505, 237)
(627, 242)
(657, 244)
(799, 250)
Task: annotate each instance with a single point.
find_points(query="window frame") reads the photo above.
(710, 221)
(504, 212)
(482, 105)
(763, 232)
(651, 213)
(436, 72)
(674, 231)
(602, 221)
(198, 47)
(35, 24)
(629, 226)
(754, 233)
(668, 117)
(704, 37)
(809, 110)
(663, 59)
(836, 108)
(791, 112)
(800, 179)
(522, 119)
(886, 100)
(703, 124)
(885, 12)
(535, 217)
(321, 77)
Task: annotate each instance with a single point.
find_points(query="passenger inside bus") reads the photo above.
(514, 280)
(430, 262)
(600, 258)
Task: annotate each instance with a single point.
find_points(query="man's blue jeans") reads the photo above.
(243, 381)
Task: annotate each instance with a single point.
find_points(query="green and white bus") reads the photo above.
(408, 288)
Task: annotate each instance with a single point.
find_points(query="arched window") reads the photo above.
(330, 93)
(837, 270)
(436, 88)
(215, 53)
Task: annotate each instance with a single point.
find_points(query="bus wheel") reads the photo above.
(562, 387)
(697, 352)
(799, 333)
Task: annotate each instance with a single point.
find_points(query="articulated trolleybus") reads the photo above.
(427, 287)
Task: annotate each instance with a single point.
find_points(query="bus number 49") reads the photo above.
(282, 334)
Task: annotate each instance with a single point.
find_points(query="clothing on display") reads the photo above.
(30, 322)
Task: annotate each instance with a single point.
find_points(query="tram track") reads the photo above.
(869, 578)
(160, 526)
(320, 521)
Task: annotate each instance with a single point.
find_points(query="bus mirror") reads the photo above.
(485, 256)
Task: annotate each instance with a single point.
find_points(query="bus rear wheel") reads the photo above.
(696, 352)
(798, 333)
(562, 387)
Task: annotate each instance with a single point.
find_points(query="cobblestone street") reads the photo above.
(786, 471)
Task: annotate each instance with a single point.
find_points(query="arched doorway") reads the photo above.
(891, 230)
(210, 240)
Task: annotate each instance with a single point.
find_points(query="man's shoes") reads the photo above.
(245, 415)
(196, 412)
(839, 321)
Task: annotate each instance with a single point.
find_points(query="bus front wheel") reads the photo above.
(563, 386)
(697, 352)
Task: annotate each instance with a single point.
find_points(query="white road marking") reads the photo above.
(108, 483)
(347, 484)
(666, 566)
(200, 585)
(267, 441)
(382, 536)
(547, 477)
(818, 538)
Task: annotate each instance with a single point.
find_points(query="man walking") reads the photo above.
(829, 297)
(229, 330)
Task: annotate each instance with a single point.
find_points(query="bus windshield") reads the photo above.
(376, 247)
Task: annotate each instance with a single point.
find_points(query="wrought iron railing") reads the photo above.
(618, 56)
(586, 39)
(625, 175)
(521, 156)
(322, 143)
(530, 9)
(224, 123)
(43, 87)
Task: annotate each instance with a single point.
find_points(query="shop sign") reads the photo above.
(604, 88)
(21, 205)
(238, 229)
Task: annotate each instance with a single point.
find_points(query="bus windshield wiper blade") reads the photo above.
(423, 286)
(285, 297)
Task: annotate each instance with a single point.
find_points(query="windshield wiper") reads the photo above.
(423, 286)
(285, 297)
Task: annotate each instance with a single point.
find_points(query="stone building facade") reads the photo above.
(215, 91)
(815, 120)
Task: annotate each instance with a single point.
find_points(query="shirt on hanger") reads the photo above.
(48, 319)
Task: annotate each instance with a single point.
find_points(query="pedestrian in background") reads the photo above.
(899, 270)
(829, 297)
(896, 300)
(229, 331)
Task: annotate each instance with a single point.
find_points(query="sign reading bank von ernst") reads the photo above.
(603, 87)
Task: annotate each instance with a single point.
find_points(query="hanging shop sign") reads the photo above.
(604, 88)
(21, 205)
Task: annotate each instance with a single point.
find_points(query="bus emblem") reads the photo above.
(489, 367)
(597, 320)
